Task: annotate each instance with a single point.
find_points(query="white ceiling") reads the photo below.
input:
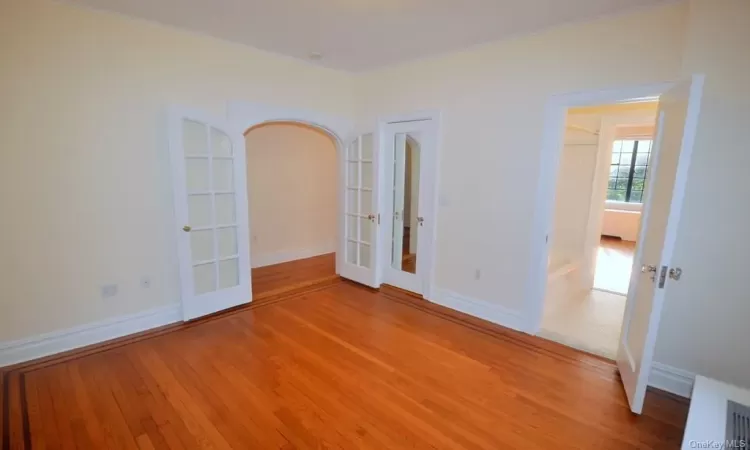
(357, 35)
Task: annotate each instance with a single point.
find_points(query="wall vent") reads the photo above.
(738, 422)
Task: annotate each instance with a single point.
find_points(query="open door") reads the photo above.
(652, 265)
(399, 183)
(210, 196)
(358, 246)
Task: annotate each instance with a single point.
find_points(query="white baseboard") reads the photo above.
(290, 255)
(478, 308)
(21, 350)
(671, 379)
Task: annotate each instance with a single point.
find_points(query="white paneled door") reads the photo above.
(358, 242)
(210, 195)
(653, 268)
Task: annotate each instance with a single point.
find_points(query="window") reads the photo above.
(627, 174)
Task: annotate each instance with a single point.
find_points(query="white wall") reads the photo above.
(292, 175)
(85, 182)
(492, 99)
(704, 324)
(573, 196)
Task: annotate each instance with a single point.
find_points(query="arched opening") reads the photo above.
(292, 176)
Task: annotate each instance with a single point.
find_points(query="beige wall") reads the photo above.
(622, 224)
(85, 181)
(704, 324)
(492, 101)
(573, 196)
(292, 177)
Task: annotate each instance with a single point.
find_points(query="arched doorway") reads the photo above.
(357, 244)
(292, 195)
(210, 188)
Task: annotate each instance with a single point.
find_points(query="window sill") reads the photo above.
(623, 206)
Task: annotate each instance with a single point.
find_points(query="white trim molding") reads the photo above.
(269, 259)
(22, 350)
(671, 379)
(490, 312)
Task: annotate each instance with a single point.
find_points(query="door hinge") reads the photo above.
(662, 277)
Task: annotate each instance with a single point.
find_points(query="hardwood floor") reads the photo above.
(409, 260)
(336, 365)
(279, 278)
(613, 265)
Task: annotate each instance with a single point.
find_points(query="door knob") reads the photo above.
(675, 273)
(186, 228)
(371, 217)
(420, 221)
(648, 268)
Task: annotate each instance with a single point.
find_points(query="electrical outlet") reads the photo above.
(477, 274)
(109, 290)
(146, 282)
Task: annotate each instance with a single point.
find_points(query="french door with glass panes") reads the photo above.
(210, 195)
(358, 243)
(409, 154)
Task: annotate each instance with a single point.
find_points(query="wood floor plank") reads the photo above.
(276, 278)
(338, 367)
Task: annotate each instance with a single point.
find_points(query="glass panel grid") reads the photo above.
(358, 201)
(209, 167)
(628, 170)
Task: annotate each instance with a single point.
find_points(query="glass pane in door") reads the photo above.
(406, 220)
(209, 178)
(204, 278)
(229, 273)
(358, 204)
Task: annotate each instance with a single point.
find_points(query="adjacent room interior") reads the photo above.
(292, 194)
(598, 202)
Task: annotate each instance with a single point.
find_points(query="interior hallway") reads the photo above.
(591, 321)
(331, 365)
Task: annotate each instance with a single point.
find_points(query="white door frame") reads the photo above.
(243, 115)
(428, 199)
(552, 144)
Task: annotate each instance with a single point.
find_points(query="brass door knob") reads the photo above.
(186, 228)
